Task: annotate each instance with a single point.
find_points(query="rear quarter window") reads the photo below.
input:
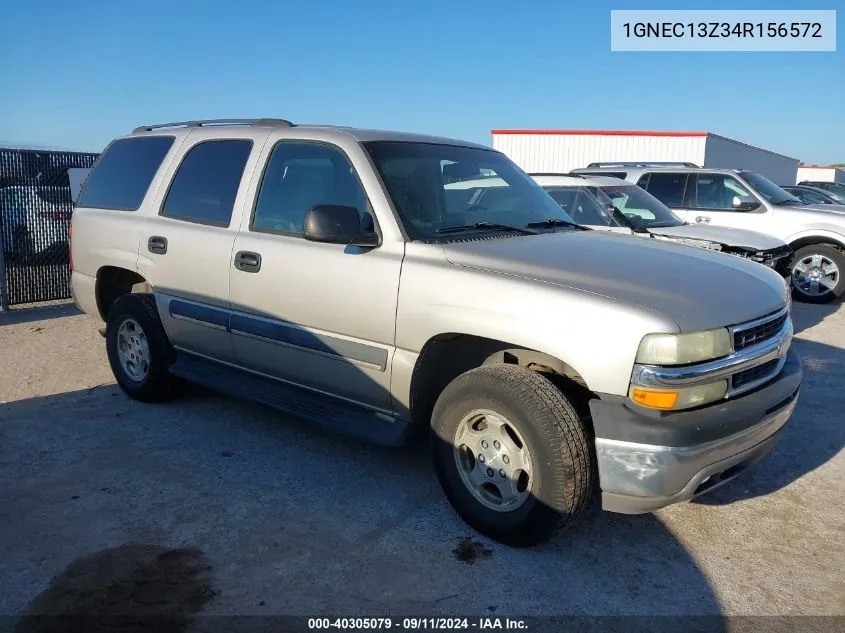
(123, 173)
(669, 188)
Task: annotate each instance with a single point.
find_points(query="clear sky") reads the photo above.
(75, 73)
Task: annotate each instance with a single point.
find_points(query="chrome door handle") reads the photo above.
(703, 219)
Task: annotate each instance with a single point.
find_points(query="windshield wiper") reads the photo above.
(482, 226)
(553, 222)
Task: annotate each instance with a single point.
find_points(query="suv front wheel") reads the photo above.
(511, 454)
(817, 272)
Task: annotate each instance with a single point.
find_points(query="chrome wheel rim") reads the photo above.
(133, 350)
(815, 275)
(493, 460)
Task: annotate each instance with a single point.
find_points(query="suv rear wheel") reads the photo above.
(817, 273)
(139, 352)
(511, 454)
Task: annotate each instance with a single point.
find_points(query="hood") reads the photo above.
(696, 288)
(741, 238)
(825, 209)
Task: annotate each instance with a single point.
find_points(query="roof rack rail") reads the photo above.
(554, 173)
(212, 122)
(643, 164)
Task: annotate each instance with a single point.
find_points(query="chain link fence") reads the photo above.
(36, 203)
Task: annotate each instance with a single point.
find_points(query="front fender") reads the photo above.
(822, 233)
(596, 336)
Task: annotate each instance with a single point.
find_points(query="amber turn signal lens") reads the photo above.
(654, 399)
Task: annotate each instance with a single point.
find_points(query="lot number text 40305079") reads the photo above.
(415, 624)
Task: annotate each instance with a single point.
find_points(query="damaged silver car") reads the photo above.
(613, 204)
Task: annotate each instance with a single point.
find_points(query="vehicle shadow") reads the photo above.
(807, 441)
(807, 315)
(283, 512)
(17, 316)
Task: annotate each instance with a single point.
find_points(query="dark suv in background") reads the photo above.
(814, 195)
(837, 188)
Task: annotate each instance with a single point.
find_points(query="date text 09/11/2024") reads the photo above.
(409, 624)
(723, 29)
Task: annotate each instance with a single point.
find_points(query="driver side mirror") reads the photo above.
(339, 224)
(744, 203)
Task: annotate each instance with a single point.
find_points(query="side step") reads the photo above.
(324, 411)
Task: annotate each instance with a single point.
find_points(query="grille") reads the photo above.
(755, 373)
(758, 333)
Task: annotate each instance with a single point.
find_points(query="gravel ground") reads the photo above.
(215, 506)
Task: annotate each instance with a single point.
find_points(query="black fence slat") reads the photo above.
(35, 211)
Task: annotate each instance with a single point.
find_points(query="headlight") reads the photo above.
(680, 398)
(680, 349)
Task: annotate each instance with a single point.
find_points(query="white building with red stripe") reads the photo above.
(556, 151)
(820, 173)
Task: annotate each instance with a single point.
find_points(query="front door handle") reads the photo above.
(157, 244)
(703, 219)
(247, 261)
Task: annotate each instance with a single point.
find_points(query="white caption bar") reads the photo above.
(716, 30)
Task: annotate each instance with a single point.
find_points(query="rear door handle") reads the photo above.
(703, 219)
(247, 261)
(157, 244)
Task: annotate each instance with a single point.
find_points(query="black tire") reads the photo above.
(832, 253)
(553, 433)
(158, 384)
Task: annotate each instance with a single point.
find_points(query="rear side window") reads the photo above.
(669, 188)
(206, 184)
(124, 172)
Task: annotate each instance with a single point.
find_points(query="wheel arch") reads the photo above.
(809, 238)
(445, 356)
(112, 283)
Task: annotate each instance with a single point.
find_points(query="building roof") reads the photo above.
(603, 133)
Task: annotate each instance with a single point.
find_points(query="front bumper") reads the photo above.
(650, 459)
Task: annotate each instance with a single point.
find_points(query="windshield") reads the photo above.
(640, 208)
(769, 190)
(836, 188)
(436, 186)
(585, 205)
